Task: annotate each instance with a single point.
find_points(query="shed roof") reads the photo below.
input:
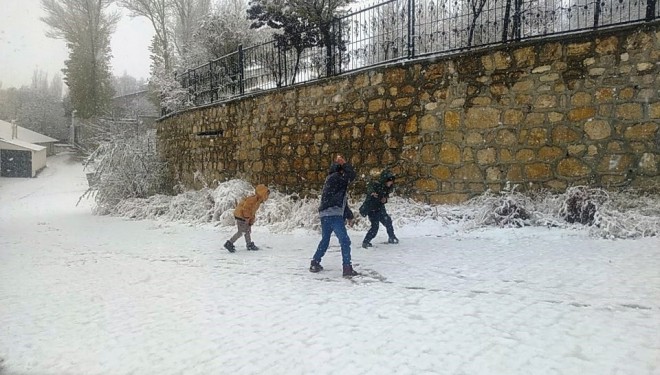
(22, 144)
(25, 135)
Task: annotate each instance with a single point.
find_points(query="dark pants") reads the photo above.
(376, 217)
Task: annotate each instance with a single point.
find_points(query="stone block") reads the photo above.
(376, 105)
(545, 101)
(550, 153)
(538, 171)
(482, 118)
(434, 71)
(488, 63)
(441, 172)
(654, 110)
(581, 99)
(645, 131)
(550, 52)
(605, 95)
(403, 102)
(606, 46)
(512, 117)
(429, 123)
(493, 174)
(615, 163)
(576, 150)
(563, 135)
(469, 173)
(648, 163)
(506, 138)
(629, 111)
(426, 184)
(581, 114)
(452, 120)
(578, 49)
(502, 60)
(644, 67)
(429, 154)
(523, 86)
(525, 57)
(514, 174)
(597, 129)
(411, 125)
(555, 117)
(450, 153)
(572, 167)
(551, 77)
(486, 156)
(474, 139)
(525, 155)
(481, 101)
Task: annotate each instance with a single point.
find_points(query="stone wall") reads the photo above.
(548, 114)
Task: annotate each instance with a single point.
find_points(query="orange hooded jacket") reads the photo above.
(248, 207)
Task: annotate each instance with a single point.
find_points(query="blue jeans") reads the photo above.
(335, 224)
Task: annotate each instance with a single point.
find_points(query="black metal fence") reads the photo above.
(404, 29)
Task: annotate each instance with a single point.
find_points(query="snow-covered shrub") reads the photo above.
(627, 214)
(125, 165)
(581, 205)
(508, 208)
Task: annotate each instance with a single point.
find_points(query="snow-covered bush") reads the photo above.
(581, 205)
(508, 208)
(611, 215)
(125, 165)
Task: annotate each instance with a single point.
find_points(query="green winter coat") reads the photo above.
(377, 194)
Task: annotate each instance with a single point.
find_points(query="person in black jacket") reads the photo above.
(334, 211)
(374, 207)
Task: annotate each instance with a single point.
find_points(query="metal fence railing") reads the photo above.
(403, 29)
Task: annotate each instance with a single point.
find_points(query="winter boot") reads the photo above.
(315, 266)
(252, 246)
(230, 246)
(349, 271)
(366, 244)
(393, 240)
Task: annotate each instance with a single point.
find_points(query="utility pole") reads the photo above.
(72, 134)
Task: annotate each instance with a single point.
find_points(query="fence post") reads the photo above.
(340, 42)
(213, 91)
(411, 29)
(650, 9)
(240, 70)
(597, 12)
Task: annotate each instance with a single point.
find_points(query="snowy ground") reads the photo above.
(84, 294)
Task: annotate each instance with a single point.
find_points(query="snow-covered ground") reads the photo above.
(84, 294)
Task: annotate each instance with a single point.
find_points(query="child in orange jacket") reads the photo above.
(245, 217)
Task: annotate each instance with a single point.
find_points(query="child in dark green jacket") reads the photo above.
(374, 207)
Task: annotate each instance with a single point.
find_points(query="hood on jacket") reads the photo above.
(386, 175)
(334, 167)
(262, 192)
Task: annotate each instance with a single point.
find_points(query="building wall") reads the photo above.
(38, 161)
(548, 114)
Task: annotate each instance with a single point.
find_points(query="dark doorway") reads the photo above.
(14, 163)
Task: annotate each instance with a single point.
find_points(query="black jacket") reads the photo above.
(336, 187)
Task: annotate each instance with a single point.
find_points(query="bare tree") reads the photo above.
(188, 16)
(158, 13)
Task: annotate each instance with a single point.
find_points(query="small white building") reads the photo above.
(13, 131)
(21, 159)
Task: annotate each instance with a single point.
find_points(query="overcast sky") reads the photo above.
(24, 46)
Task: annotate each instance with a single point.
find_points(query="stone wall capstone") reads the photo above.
(583, 110)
